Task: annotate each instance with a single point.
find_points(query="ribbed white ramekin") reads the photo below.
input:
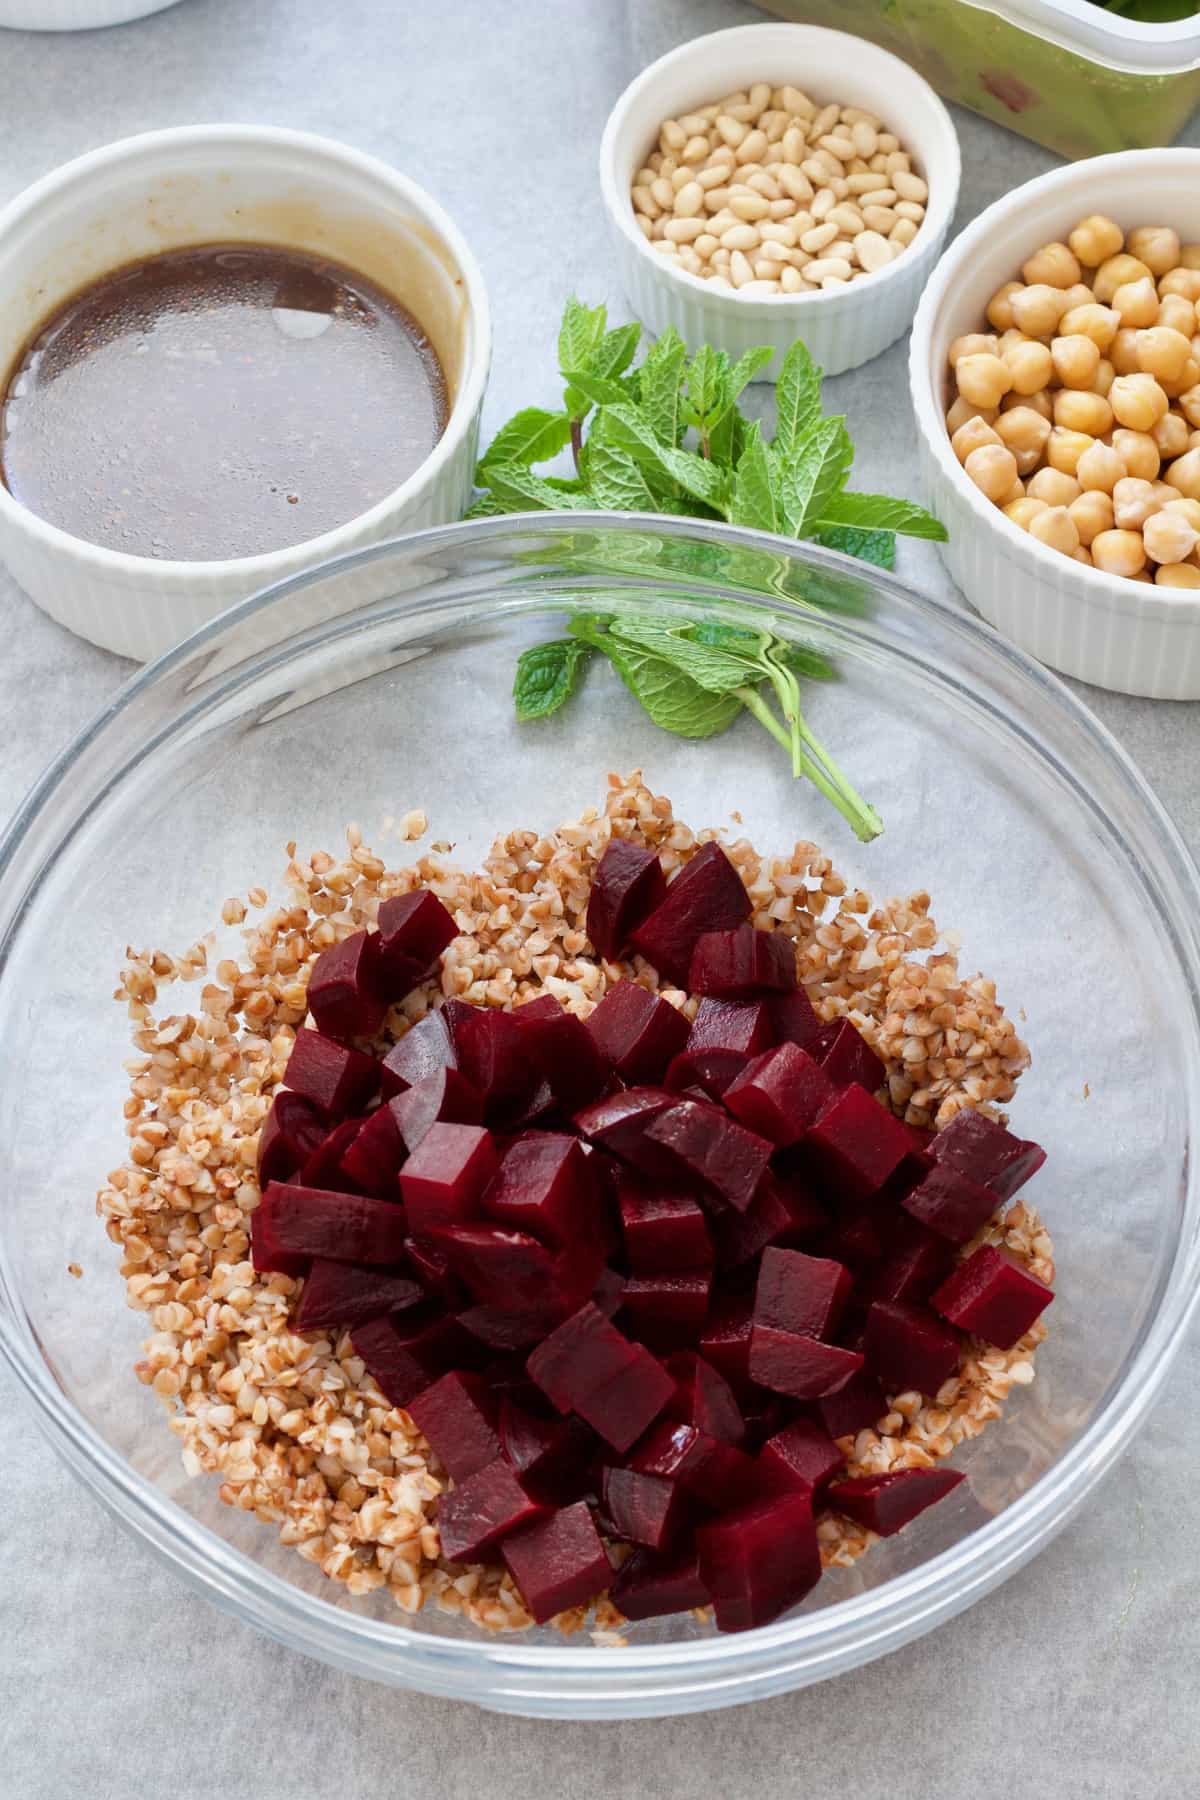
(1118, 634)
(841, 329)
(222, 184)
(75, 15)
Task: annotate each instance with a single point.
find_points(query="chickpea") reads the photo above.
(1133, 502)
(1187, 509)
(974, 343)
(1094, 239)
(1184, 474)
(1115, 272)
(1157, 245)
(970, 436)
(1083, 412)
(1189, 256)
(1122, 352)
(1181, 281)
(1177, 314)
(1025, 432)
(1008, 339)
(1099, 469)
(1076, 359)
(1136, 302)
(1162, 352)
(1187, 378)
(1091, 514)
(1054, 487)
(982, 378)
(1177, 575)
(1139, 452)
(993, 469)
(1168, 538)
(999, 307)
(1171, 434)
(1022, 511)
(1166, 493)
(1104, 377)
(1079, 294)
(1039, 403)
(1063, 451)
(1056, 529)
(1036, 310)
(1083, 556)
(1053, 265)
(962, 410)
(1138, 401)
(1016, 492)
(1100, 323)
(1030, 367)
(1189, 406)
(1119, 552)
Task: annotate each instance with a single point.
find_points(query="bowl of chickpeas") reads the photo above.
(1055, 377)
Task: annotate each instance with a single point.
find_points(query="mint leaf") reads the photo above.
(586, 389)
(707, 378)
(531, 436)
(718, 670)
(805, 662)
(877, 547)
(728, 437)
(547, 675)
(660, 373)
(613, 354)
(580, 333)
(486, 506)
(746, 368)
(797, 399)
(625, 426)
(814, 474)
(879, 512)
(753, 501)
(614, 480)
(520, 490)
(671, 698)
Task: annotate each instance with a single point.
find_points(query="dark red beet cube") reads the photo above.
(799, 1293)
(857, 1143)
(780, 1094)
(992, 1296)
(431, 1269)
(736, 1027)
(704, 1398)
(341, 1296)
(372, 1158)
(793, 1020)
(544, 1186)
(725, 1341)
(425, 1048)
(716, 1474)
(907, 1347)
(646, 1509)
(782, 1211)
(541, 1451)
(706, 895)
(294, 1222)
(759, 1560)
(506, 1269)
(580, 1356)
(886, 1503)
(443, 1179)
(848, 1057)
(618, 1123)
(664, 1232)
(855, 1407)
(636, 1032)
(987, 1152)
(622, 1408)
(336, 1079)
(708, 1147)
(414, 929)
(557, 1562)
(453, 1415)
(799, 1456)
(606, 1295)
(742, 963)
(650, 1586)
(628, 883)
(323, 1167)
(950, 1203)
(563, 1052)
(668, 1309)
(445, 1097)
(403, 1354)
(483, 1509)
(494, 1055)
(914, 1266)
(344, 995)
(790, 1363)
(292, 1130)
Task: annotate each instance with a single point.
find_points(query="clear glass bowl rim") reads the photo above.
(571, 1681)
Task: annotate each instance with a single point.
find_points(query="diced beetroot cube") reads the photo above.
(583, 1353)
(544, 1186)
(606, 1295)
(493, 1054)
(627, 885)
(636, 1032)
(799, 1293)
(445, 1097)
(664, 1232)
(292, 1130)
(342, 1296)
(508, 1269)
(645, 1509)
(950, 1203)
(563, 1051)
(862, 1232)
(782, 1211)
(886, 1503)
(704, 1398)
(618, 1123)
(414, 929)
(706, 895)
(453, 1415)
(848, 1057)
(429, 1264)
(725, 1341)
(716, 1474)
(425, 1048)
(336, 1079)
(651, 1587)
(444, 1177)
(743, 963)
(793, 1020)
(622, 1407)
(542, 1451)
(907, 1347)
(759, 1560)
(857, 1143)
(853, 1408)
(509, 1328)
(344, 995)
(532, 1289)
(799, 1456)
(323, 1167)
(790, 1363)
(480, 1511)
(300, 1222)
(780, 1094)
(558, 1562)
(987, 1152)
(668, 1309)
(373, 1157)
(405, 1353)
(703, 1074)
(992, 1296)
(709, 1147)
(738, 1027)
(913, 1268)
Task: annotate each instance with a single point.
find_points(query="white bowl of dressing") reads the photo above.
(229, 184)
(75, 15)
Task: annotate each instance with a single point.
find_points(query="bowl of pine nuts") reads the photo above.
(1055, 376)
(779, 181)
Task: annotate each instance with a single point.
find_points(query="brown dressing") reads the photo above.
(218, 402)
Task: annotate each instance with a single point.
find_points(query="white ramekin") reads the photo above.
(1118, 634)
(843, 329)
(75, 15)
(232, 183)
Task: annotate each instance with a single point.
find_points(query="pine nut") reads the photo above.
(841, 147)
(864, 137)
(749, 206)
(879, 218)
(828, 265)
(741, 237)
(732, 131)
(873, 251)
(888, 143)
(705, 244)
(672, 134)
(760, 95)
(752, 147)
(782, 233)
(816, 171)
(695, 150)
(693, 124)
(740, 271)
(761, 183)
(683, 231)
(793, 144)
(867, 183)
(909, 187)
(645, 226)
(794, 101)
(773, 253)
(715, 199)
(845, 217)
(644, 202)
(681, 177)
(781, 209)
(793, 282)
(903, 232)
(818, 237)
(663, 193)
(823, 204)
(858, 115)
(825, 121)
(909, 209)
(713, 177)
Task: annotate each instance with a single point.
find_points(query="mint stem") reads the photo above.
(576, 443)
(824, 773)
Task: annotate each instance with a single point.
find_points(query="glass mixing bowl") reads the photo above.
(382, 682)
